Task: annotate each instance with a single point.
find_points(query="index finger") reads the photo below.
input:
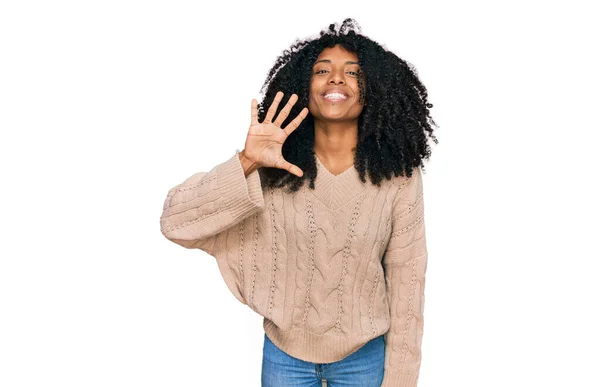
(296, 122)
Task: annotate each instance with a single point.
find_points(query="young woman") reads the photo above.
(334, 263)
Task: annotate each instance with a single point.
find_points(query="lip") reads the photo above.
(335, 100)
(335, 90)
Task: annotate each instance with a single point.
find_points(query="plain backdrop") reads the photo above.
(106, 105)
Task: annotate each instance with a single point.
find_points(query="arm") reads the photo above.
(405, 263)
(198, 209)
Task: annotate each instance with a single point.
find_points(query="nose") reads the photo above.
(337, 78)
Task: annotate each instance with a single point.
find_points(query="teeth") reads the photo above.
(335, 96)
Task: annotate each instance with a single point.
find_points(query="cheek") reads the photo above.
(312, 94)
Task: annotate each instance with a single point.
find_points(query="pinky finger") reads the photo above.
(254, 119)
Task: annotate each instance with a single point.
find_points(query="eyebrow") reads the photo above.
(329, 61)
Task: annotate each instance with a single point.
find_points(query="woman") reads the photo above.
(335, 267)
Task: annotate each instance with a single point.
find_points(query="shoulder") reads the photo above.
(409, 187)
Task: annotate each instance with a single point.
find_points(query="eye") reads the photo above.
(353, 72)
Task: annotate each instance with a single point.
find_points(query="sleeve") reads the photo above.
(405, 264)
(196, 211)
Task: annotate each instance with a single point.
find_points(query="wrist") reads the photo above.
(248, 165)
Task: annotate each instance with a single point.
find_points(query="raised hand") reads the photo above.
(265, 139)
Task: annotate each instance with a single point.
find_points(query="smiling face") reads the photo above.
(334, 89)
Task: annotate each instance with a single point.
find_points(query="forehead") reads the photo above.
(337, 53)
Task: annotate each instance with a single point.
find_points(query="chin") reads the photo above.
(337, 118)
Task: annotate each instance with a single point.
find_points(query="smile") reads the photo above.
(336, 97)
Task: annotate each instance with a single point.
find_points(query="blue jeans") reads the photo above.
(362, 368)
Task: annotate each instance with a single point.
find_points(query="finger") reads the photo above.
(286, 110)
(296, 122)
(296, 171)
(254, 113)
(282, 164)
(273, 108)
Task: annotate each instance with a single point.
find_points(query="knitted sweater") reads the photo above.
(329, 269)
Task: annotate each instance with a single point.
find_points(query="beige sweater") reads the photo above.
(328, 269)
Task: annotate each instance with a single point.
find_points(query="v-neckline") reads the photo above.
(323, 167)
(334, 191)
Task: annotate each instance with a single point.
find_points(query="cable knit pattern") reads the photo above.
(328, 269)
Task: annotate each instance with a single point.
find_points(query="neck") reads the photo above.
(335, 141)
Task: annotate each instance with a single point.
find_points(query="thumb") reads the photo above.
(291, 168)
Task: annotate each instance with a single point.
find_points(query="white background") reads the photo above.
(104, 106)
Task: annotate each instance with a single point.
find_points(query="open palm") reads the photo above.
(265, 140)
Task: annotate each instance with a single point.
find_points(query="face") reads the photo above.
(334, 89)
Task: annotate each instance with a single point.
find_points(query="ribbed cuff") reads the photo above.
(241, 195)
(395, 379)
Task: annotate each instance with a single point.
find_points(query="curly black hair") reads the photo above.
(392, 128)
